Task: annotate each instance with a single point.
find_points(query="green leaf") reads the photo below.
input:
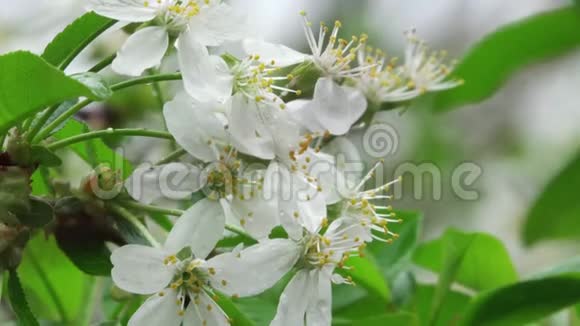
(90, 256)
(75, 37)
(82, 237)
(28, 84)
(403, 287)
(555, 213)
(257, 309)
(43, 156)
(450, 311)
(41, 213)
(237, 317)
(18, 301)
(59, 289)
(393, 257)
(365, 273)
(40, 184)
(62, 108)
(362, 308)
(96, 83)
(491, 62)
(453, 254)
(103, 152)
(524, 302)
(473, 252)
(398, 319)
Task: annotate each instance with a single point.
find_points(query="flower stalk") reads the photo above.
(110, 132)
(116, 87)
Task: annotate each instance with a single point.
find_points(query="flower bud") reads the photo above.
(103, 183)
(18, 149)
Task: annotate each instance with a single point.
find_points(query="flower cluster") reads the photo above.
(236, 112)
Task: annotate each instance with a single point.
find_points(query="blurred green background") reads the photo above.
(520, 137)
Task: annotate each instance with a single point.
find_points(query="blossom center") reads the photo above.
(332, 248)
(221, 179)
(332, 55)
(258, 81)
(190, 279)
(175, 14)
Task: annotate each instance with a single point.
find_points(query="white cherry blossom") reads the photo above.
(208, 22)
(181, 281)
(384, 81)
(307, 299)
(334, 108)
(426, 69)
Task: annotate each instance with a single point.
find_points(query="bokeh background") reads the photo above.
(521, 137)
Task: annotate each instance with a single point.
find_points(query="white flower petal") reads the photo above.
(247, 127)
(337, 107)
(338, 279)
(255, 269)
(281, 55)
(320, 304)
(200, 227)
(205, 312)
(322, 167)
(303, 112)
(287, 134)
(124, 10)
(255, 214)
(144, 49)
(217, 24)
(294, 301)
(173, 181)
(277, 176)
(349, 164)
(158, 310)
(299, 203)
(195, 126)
(140, 269)
(353, 228)
(206, 78)
(310, 204)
